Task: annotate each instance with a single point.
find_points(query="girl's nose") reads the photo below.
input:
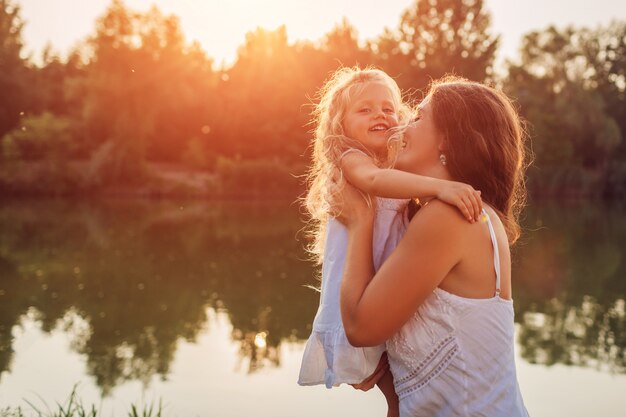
(380, 114)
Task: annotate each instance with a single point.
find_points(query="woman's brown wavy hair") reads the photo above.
(484, 144)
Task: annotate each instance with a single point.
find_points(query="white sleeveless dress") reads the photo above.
(455, 356)
(328, 356)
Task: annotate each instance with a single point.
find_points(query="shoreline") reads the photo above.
(163, 181)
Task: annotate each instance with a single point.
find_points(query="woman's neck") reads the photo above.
(436, 171)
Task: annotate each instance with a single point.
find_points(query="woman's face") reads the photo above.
(422, 144)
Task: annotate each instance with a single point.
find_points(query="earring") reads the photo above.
(442, 158)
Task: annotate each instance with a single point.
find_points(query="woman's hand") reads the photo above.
(464, 197)
(351, 205)
(369, 383)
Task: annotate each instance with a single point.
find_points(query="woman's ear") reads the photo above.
(441, 142)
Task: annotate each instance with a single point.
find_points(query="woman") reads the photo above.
(442, 300)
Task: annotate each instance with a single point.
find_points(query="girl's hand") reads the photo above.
(352, 205)
(464, 197)
(372, 380)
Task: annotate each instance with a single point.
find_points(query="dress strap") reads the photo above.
(496, 252)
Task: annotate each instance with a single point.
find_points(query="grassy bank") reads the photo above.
(74, 407)
(227, 179)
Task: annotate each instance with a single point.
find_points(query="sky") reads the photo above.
(220, 25)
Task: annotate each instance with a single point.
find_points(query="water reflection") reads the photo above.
(141, 274)
(570, 286)
(127, 279)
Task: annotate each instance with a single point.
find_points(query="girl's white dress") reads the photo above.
(328, 356)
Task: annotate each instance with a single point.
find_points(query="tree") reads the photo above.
(261, 96)
(609, 54)
(13, 69)
(52, 81)
(436, 37)
(606, 48)
(144, 90)
(558, 86)
(341, 45)
(43, 137)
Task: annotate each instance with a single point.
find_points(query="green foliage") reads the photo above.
(52, 85)
(41, 137)
(11, 412)
(341, 45)
(438, 37)
(74, 407)
(13, 68)
(575, 135)
(28, 88)
(147, 411)
(144, 89)
(261, 98)
(37, 156)
(137, 92)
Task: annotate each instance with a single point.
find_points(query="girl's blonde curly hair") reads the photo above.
(330, 142)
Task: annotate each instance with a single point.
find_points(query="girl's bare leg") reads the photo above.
(384, 379)
(386, 386)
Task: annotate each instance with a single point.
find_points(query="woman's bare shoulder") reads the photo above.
(439, 219)
(440, 211)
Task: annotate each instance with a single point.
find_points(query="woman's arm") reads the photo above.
(362, 172)
(374, 307)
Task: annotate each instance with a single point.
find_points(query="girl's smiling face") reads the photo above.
(369, 116)
(422, 143)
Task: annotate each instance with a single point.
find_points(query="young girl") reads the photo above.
(357, 112)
